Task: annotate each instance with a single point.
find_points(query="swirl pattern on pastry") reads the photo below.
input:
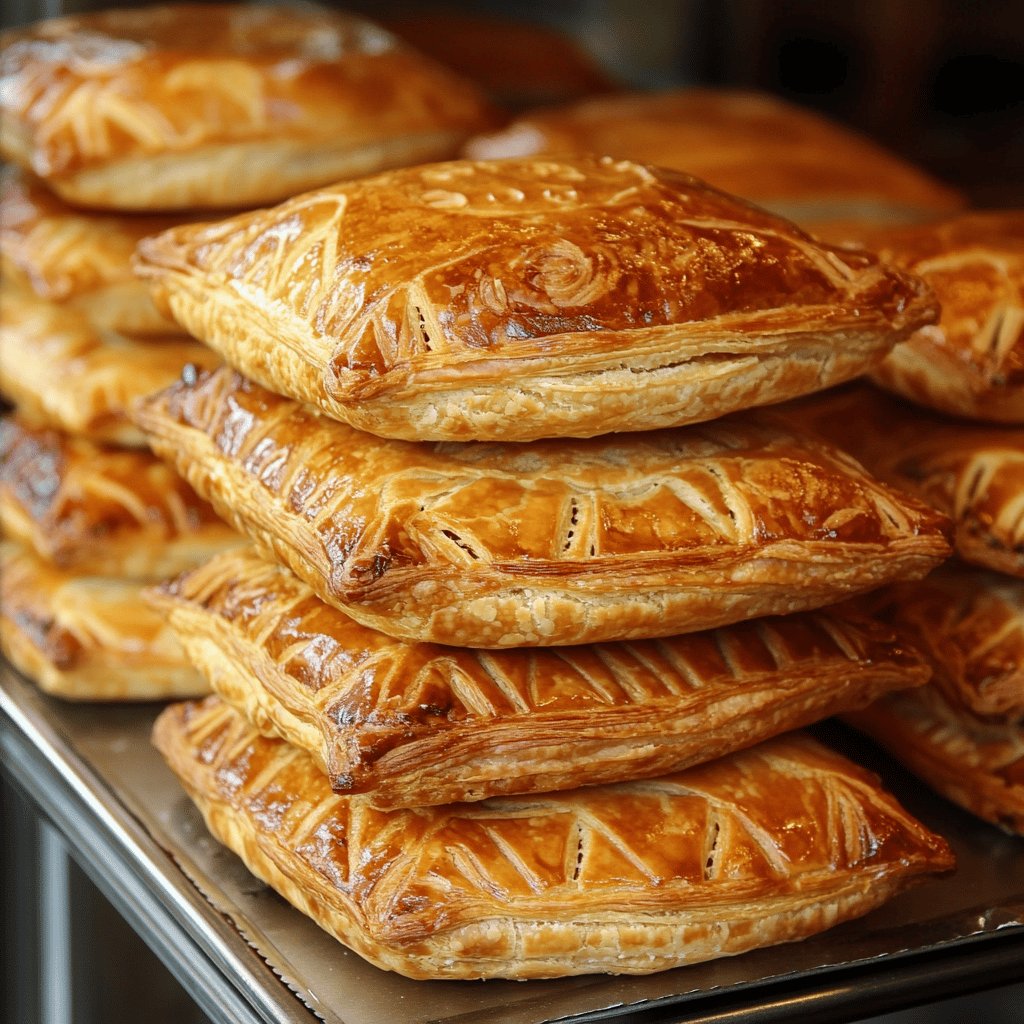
(528, 299)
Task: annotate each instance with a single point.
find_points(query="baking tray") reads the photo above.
(247, 955)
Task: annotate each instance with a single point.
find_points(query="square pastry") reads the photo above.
(767, 846)
(527, 299)
(550, 543)
(412, 724)
(220, 105)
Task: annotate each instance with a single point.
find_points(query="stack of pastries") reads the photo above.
(964, 732)
(507, 682)
(506, 685)
(967, 370)
(117, 125)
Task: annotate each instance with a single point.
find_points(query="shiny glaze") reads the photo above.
(367, 695)
(752, 145)
(61, 372)
(972, 473)
(62, 251)
(971, 362)
(105, 85)
(548, 507)
(759, 828)
(970, 626)
(77, 503)
(431, 271)
(72, 618)
(976, 762)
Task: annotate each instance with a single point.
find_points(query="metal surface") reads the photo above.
(95, 774)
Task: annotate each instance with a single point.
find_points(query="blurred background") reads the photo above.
(939, 81)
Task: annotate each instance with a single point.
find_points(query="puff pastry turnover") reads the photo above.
(767, 846)
(61, 372)
(511, 301)
(79, 260)
(971, 363)
(413, 724)
(220, 105)
(101, 511)
(754, 145)
(970, 626)
(977, 763)
(557, 542)
(972, 473)
(87, 637)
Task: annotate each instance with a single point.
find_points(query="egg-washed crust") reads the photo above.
(767, 846)
(61, 372)
(973, 473)
(552, 543)
(80, 260)
(781, 156)
(414, 724)
(977, 763)
(102, 511)
(87, 638)
(971, 363)
(220, 105)
(526, 299)
(969, 624)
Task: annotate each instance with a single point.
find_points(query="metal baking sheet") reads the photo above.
(967, 927)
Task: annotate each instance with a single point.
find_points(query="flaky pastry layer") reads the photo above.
(87, 638)
(969, 624)
(527, 299)
(781, 156)
(61, 372)
(971, 363)
(220, 105)
(972, 473)
(977, 763)
(413, 724)
(766, 846)
(102, 511)
(552, 543)
(79, 260)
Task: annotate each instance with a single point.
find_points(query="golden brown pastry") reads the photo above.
(81, 261)
(413, 724)
(767, 846)
(557, 542)
(972, 473)
(529, 299)
(61, 372)
(977, 763)
(101, 511)
(87, 637)
(218, 105)
(783, 157)
(970, 626)
(971, 363)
